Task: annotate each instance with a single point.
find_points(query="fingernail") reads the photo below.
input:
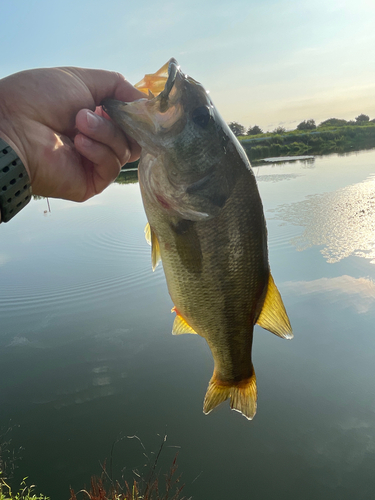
(92, 120)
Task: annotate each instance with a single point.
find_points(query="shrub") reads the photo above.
(237, 128)
(279, 130)
(362, 118)
(254, 130)
(306, 125)
(333, 122)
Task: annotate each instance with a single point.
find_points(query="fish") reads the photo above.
(207, 226)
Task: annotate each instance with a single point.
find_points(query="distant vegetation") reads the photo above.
(331, 136)
(128, 175)
(334, 135)
(254, 130)
(306, 125)
(239, 130)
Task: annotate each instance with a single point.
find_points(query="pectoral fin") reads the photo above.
(243, 395)
(180, 326)
(273, 316)
(155, 248)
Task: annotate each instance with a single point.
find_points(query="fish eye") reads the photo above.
(201, 116)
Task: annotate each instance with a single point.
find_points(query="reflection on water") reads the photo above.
(346, 290)
(342, 221)
(283, 159)
(86, 352)
(276, 178)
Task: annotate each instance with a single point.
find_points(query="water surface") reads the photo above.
(87, 355)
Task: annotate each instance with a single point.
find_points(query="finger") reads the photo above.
(107, 132)
(106, 84)
(134, 146)
(106, 165)
(135, 149)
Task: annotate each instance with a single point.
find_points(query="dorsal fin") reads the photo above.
(155, 248)
(180, 326)
(273, 316)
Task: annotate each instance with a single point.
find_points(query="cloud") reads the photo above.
(4, 258)
(19, 341)
(358, 293)
(342, 221)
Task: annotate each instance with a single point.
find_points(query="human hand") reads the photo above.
(53, 120)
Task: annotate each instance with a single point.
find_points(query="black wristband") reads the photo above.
(15, 188)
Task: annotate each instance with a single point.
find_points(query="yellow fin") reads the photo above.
(273, 316)
(155, 248)
(180, 326)
(148, 233)
(243, 396)
(154, 82)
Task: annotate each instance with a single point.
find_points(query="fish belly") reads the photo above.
(217, 272)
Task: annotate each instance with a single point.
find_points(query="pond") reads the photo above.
(87, 357)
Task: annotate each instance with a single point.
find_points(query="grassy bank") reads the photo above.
(321, 140)
(318, 141)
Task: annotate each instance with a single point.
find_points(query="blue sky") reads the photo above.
(265, 62)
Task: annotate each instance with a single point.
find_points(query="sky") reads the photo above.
(265, 62)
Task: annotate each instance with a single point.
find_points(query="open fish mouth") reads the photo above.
(157, 113)
(158, 84)
(173, 69)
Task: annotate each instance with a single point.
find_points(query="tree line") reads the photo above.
(240, 130)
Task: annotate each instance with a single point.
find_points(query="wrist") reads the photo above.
(15, 188)
(11, 131)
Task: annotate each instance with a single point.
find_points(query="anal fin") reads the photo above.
(273, 316)
(243, 395)
(155, 248)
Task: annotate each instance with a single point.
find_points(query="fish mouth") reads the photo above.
(173, 70)
(156, 112)
(161, 82)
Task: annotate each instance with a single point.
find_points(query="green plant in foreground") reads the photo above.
(25, 492)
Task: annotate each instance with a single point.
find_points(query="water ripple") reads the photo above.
(24, 299)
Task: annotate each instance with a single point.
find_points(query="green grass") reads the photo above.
(322, 140)
(128, 176)
(24, 492)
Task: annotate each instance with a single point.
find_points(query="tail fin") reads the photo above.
(243, 395)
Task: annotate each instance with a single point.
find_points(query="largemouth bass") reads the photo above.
(206, 224)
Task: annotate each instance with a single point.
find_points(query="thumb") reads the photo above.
(102, 84)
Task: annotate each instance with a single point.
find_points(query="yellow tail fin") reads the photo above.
(243, 395)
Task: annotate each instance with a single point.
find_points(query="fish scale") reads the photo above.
(206, 224)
